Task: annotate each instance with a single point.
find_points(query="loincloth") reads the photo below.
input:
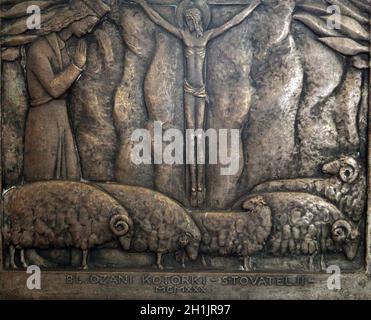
(199, 92)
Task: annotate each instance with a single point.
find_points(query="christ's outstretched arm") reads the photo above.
(157, 19)
(237, 19)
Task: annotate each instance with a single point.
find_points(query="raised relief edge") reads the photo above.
(356, 285)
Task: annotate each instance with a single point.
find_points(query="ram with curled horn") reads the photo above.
(307, 225)
(344, 185)
(345, 234)
(61, 215)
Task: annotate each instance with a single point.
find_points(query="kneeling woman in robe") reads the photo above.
(50, 148)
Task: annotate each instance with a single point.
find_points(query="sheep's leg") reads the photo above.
(193, 197)
(311, 263)
(23, 260)
(159, 261)
(85, 259)
(323, 263)
(203, 261)
(247, 265)
(183, 259)
(12, 257)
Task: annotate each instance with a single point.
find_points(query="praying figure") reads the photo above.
(195, 40)
(50, 148)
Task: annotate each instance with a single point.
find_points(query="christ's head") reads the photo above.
(193, 18)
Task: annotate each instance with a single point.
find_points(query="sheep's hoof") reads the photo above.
(183, 266)
(241, 268)
(311, 266)
(14, 266)
(25, 265)
(247, 265)
(160, 267)
(249, 268)
(203, 262)
(85, 267)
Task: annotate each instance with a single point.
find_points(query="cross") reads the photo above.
(159, 4)
(195, 39)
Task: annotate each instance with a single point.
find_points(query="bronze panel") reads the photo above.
(107, 183)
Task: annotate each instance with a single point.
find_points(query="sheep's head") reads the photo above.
(120, 226)
(190, 243)
(347, 236)
(346, 168)
(254, 203)
(348, 187)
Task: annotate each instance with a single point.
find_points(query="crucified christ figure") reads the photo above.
(195, 40)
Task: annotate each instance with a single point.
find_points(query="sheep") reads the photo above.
(235, 233)
(62, 214)
(161, 225)
(304, 224)
(346, 188)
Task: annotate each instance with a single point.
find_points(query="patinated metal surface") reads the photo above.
(110, 185)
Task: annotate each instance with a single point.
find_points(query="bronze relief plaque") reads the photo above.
(178, 149)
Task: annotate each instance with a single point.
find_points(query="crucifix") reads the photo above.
(193, 18)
